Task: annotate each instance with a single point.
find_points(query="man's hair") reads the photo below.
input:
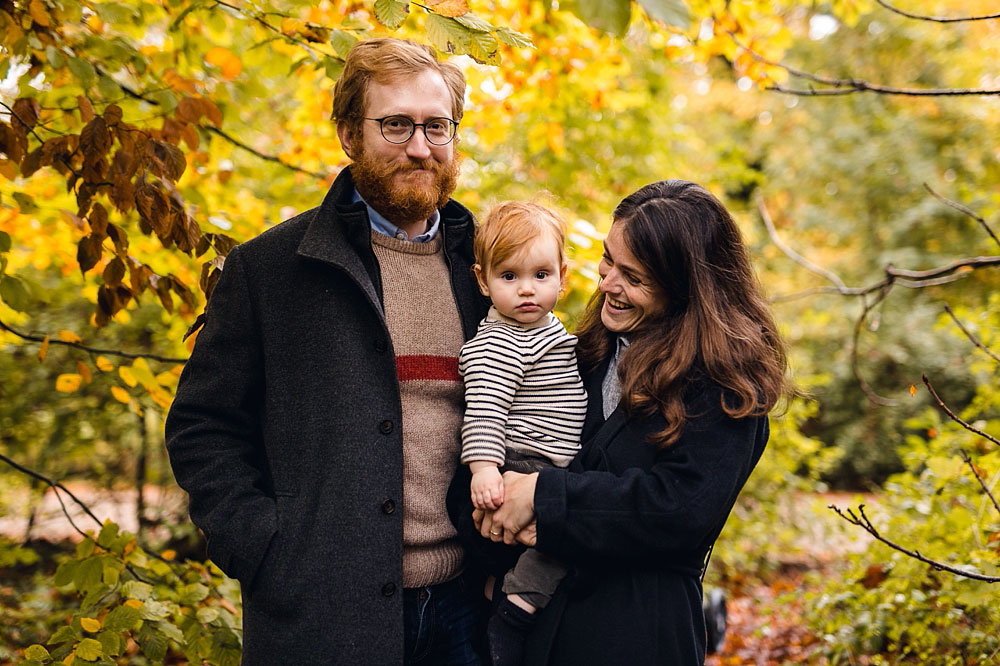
(715, 322)
(512, 225)
(385, 60)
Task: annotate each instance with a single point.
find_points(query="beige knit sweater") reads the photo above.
(426, 333)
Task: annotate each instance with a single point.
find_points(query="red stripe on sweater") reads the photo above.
(416, 367)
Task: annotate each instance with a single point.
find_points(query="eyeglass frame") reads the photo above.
(413, 129)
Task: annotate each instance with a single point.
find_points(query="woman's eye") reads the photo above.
(633, 279)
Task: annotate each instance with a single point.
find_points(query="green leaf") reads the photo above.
(447, 35)
(333, 68)
(171, 631)
(391, 13)
(342, 42)
(55, 57)
(65, 634)
(136, 589)
(85, 548)
(108, 532)
(483, 47)
(111, 572)
(474, 23)
(4, 241)
(88, 574)
(83, 71)
(123, 618)
(192, 594)
(154, 610)
(112, 643)
(180, 17)
(355, 23)
(671, 12)
(25, 202)
(152, 643)
(108, 88)
(113, 12)
(89, 649)
(608, 15)
(207, 615)
(13, 293)
(165, 98)
(36, 652)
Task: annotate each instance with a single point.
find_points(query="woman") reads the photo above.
(682, 363)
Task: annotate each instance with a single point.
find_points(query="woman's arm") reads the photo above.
(672, 508)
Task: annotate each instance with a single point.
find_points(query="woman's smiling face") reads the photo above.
(630, 296)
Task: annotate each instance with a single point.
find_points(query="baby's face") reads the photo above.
(525, 287)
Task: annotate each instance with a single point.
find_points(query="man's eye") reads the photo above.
(437, 126)
(396, 123)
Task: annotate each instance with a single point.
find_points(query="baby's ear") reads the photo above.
(563, 274)
(481, 279)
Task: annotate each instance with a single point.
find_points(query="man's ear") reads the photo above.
(481, 279)
(346, 136)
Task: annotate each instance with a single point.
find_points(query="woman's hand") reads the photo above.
(517, 512)
(484, 522)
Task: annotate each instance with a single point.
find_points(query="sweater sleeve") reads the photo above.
(492, 371)
(213, 434)
(669, 511)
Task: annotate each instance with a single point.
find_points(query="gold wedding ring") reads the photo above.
(494, 533)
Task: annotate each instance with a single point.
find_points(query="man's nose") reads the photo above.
(418, 147)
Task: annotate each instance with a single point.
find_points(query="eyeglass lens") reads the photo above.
(398, 129)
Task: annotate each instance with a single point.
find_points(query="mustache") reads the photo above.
(412, 164)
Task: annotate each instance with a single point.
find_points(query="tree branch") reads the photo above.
(936, 19)
(955, 417)
(861, 520)
(975, 472)
(92, 350)
(964, 209)
(855, 363)
(795, 256)
(971, 337)
(56, 486)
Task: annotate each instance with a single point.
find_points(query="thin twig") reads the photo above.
(795, 256)
(971, 337)
(964, 209)
(975, 472)
(955, 417)
(864, 523)
(936, 19)
(270, 158)
(93, 350)
(56, 486)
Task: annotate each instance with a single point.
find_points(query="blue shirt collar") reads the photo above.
(387, 228)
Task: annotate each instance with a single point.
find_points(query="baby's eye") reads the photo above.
(507, 276)
(541, 275)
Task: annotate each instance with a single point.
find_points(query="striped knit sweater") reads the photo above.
(522, 391)
(426, 334)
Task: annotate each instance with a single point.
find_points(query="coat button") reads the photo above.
(388, 506)
(385, 427)
(380, 345)
(389, 589)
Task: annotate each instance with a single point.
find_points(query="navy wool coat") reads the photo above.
(286, 433)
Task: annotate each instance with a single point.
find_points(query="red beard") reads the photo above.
(403, 203)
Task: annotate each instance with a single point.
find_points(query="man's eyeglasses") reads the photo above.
(399, 129)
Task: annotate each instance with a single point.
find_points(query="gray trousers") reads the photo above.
(535, 577)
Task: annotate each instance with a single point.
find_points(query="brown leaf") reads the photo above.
(26, 110)
(84, 371)
(114, 272)
(88, 253)
(95, 139)
(171, 131)
(119, 238)
(187, 233)
(154, 208)
(167, 160)
(223, 244)
(190, 110)
(139, 275)
(874, 575)
(44, 349)
(122, 195)
(98, 220)
(86, 108)
(161, 285)
(212, 111)
(112, 114)
(32, 163)
(190, 136)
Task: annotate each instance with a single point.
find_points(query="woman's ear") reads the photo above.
(481, 279)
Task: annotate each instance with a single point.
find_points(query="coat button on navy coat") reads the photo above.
(389, 589)
(385, 427)
(388, 506)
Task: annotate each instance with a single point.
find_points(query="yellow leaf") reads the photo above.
(450, 8)
(84, 371)
(120, 394)
(69, 659)
(126, 374)
(133, 603)
(44, 350)
(104, 365)
(168, 554)
(68, 383)
(8, 169)
(39, 14)
(913, 389)
(225, 60)
(69, 336)
(232, 68)
(90, 624)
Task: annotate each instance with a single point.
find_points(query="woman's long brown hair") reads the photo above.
(715, 323)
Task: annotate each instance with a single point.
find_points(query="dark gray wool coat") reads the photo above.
(286, 433)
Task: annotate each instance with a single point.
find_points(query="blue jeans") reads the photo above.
(444, 625)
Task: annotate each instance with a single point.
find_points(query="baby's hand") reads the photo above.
(487, 487)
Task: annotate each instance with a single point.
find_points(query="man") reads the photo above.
(316, 425)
